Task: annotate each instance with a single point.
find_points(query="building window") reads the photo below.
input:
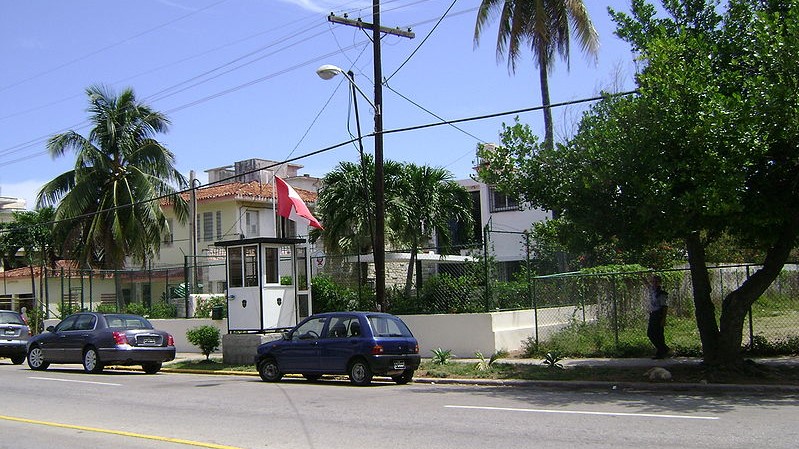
(219, 225)
(208, 226)
(251, 226)
(235, 269)
(271, 266)
(500, 202)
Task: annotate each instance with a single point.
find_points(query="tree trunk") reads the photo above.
(411, 266)
(543, 69)
(721, 345)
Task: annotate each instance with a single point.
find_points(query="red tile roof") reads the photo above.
(243, 191)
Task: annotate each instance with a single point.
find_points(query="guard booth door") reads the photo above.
(244, 289)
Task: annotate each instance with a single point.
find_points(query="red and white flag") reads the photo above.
(291, 206)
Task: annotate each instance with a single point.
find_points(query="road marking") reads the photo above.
(75, 381)
(578, 412)
(119, 432)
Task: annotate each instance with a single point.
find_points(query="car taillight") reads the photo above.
(120, 338)
(377, 349)
(415, 349)
(170, 341)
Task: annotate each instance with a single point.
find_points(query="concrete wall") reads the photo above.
(463, 334)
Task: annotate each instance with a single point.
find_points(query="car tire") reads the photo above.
(36, 359)
(312, 377)
(91, 361)
(18, 359)
(404, 378)
(152, 367)
(269, 370)
(360, 373)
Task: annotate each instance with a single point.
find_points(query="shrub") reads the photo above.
(207, 338)
(137, 309)
(106, 308)
(441, 356)
(162, 309)
(206, 305)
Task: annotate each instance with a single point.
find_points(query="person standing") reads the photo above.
(658, 308)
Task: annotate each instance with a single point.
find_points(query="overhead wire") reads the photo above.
(348, 142)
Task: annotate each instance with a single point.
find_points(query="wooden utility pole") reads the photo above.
(379, 243)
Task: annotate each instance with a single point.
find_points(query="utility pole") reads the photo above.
(379, 243)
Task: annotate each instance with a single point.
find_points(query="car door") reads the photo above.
(76, 338)
(301, 352)
(340, 343)
(52, 343)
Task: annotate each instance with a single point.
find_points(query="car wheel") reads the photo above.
(152, 367)
(312, 377)
(360, 373)
(18, 359)
(404, 378)
(269, 370)
(91, 361)
(36, 359)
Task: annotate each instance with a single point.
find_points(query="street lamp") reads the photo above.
(327, 72)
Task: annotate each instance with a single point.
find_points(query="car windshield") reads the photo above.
(387, 326)
(10, 318)
(127, 322)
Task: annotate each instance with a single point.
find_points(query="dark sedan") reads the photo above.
(100, 339)
(14, 333)
(360, 344)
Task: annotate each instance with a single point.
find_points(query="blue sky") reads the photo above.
(237, 79)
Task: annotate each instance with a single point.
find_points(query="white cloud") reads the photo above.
(326, 6)
(26, 190)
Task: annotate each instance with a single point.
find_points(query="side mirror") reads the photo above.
(50, 328)
(285, 336)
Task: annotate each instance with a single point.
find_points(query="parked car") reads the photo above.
(14, 334)
(359, 344)
(100, 339)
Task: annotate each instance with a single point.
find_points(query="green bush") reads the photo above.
(207, 338)
(206, 305)
(162, 309)
(137, 308)
(106, 308)
(328, 296)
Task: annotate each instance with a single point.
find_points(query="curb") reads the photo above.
(556, 384)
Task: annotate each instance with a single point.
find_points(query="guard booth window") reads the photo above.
(243, 266)
(270, 266)
(251, 266)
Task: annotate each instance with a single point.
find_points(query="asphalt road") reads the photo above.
(63, 407)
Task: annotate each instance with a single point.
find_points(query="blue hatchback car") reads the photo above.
(359, 344)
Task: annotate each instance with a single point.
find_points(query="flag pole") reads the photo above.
(274, 202)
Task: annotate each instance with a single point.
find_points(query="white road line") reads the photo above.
(577, 412)
(75, 381)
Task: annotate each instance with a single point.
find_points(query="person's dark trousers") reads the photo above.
(655, 333)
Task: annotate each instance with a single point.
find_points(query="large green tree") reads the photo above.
(546, 26)
(431, 202)
(708, 148)
(420, 200)
(108, 206)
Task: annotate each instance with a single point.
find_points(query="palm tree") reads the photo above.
(109, 205)
(431, 201)
(546, 26)
(346, 206)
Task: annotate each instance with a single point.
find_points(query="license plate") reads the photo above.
(149, 341)
(10, 332)
(399, 364)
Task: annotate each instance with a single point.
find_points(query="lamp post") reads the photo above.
(327, 72)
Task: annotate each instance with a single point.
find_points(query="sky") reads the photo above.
(237, 79)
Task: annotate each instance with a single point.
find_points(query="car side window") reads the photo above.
(339, 326)
(310, 330)
(67, 325)
(85, 322)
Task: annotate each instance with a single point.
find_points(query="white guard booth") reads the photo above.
(268, 287)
